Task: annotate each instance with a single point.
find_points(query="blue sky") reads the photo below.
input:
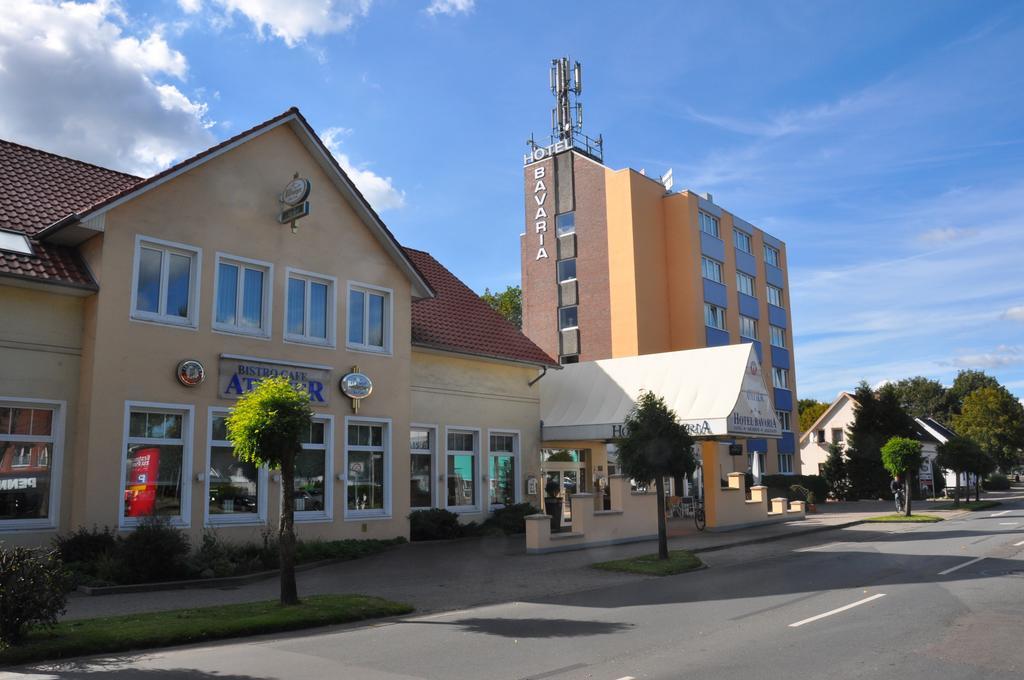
(884, 142)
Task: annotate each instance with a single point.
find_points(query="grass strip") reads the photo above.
(678, 562)
(921, 519)
(163, 629)
(965, 505)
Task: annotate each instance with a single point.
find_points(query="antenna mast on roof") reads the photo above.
(566, 80)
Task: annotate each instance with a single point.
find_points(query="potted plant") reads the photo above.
(811, 502)
(553, 504)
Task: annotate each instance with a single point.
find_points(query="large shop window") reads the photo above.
(367, 465)
(166, 286)
(502, 468)
(236, 491)
(310, 308)
(369, 318)
(421, 467)
(242, 296)
(157, 463)
(313, 470)
(28, 480)
(462, 452)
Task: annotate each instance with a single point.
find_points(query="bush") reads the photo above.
(213, 558)
(345, 549)
(154, 551)
(511, 519)
(781, 486)
(34, 589)
(435, 524)
(85, 545)
(996, 482)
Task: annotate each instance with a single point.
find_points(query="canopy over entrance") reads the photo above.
(716, 392)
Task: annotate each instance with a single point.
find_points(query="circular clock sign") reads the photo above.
(191, 373)
(356, 386)
(296, 191)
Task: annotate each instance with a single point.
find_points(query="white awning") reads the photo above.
(716, 392)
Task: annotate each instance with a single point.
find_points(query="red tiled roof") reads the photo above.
(457, 320)
(38, 189)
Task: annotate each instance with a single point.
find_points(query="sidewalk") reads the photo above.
(434, 576)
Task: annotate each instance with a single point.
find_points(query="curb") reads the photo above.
(768, 539)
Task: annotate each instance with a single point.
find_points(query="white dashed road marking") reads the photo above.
(1000, 514)
(836, 611)
(961, 566)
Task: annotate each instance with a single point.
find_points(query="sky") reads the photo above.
(883, 142)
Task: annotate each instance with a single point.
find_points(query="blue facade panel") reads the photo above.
(712, 247)
(777, 316)
(715, 293)
(780, 357)
(745, 262)
(783, 400)
(749, 306)
(773, 275)
(759, 445)
(757, 349)
(715, 337)
(788, 443)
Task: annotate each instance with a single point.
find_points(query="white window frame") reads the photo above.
(569, 328)
(777, 330)
(268, 296)
(715, 266)
(769, 290)
(435, 474)
(737, 234)
(842, 435)
(196, 255)
(184, 520)
(385, 512)
(327, 514)
(517, 458)
(262, 483)
(743, 276)
(478, 465)
(707, 306)
(332, 307)
(704, 218)
(785, 420)
(51, 521)
(776, 255)
(780, 373)
(389, 318)
(788, 458)
(751, 320)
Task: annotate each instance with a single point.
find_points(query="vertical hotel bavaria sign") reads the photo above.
(239, 376)
(540, 191)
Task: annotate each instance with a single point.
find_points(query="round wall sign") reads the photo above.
(296, 191)
(356, 386)
(191, 373)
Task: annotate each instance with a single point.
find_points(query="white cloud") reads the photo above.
(450, 7)
(1014, 313)
(74, 81)
(190, 6)
(293, 21)
(945, 235)
(379, 191)
(1003, 355)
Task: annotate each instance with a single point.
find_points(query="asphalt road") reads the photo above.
(932, 601)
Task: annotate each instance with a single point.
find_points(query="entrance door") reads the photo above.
(567, 476)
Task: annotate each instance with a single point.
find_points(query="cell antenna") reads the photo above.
(565, 79)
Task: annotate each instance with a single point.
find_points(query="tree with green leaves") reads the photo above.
(655, 446)
(810, 410)
(266, 428)
(902, 457)
(923, 397)
(979, 465)
(508, 303)
(993, 418)
(834, 472)
(877, 418)
(956, 455)
(966, 382)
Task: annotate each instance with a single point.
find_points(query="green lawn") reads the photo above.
(678, 561)
(163, 629)
(965, 505)
(903, 518)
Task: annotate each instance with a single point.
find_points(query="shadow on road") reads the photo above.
(84, 671)
(533, 628)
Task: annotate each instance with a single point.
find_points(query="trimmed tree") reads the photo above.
(656, 446)
(266, 428)
(956, 455)
(901, 457)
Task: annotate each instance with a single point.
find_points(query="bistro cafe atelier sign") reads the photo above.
(239, 376)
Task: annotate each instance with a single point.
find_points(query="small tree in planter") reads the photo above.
(656, 446)
(901, 457)
(266, 428)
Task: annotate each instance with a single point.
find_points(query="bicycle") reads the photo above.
(900, 501)
(698, 514)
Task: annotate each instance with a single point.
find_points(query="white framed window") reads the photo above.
(567, 270)
(568, 317)
(708, 223)
(714, 316)
(242, 297)
(778, 338)
(780, 378)
(745, 284)
(165, 282)
(156, 463)
(771, 255)
(774, 295)
(367, 467)
(31, 442)
(742, 241)
(503, 469)
(462, 452)
(785, 463)
(748, 327)
(236, 491)
(369, 318)
(784, 421)
(422, 447)
(310, 301)
(837, 435)
(711, 269)
(15, 242)
(314, 472)
(761, 455)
